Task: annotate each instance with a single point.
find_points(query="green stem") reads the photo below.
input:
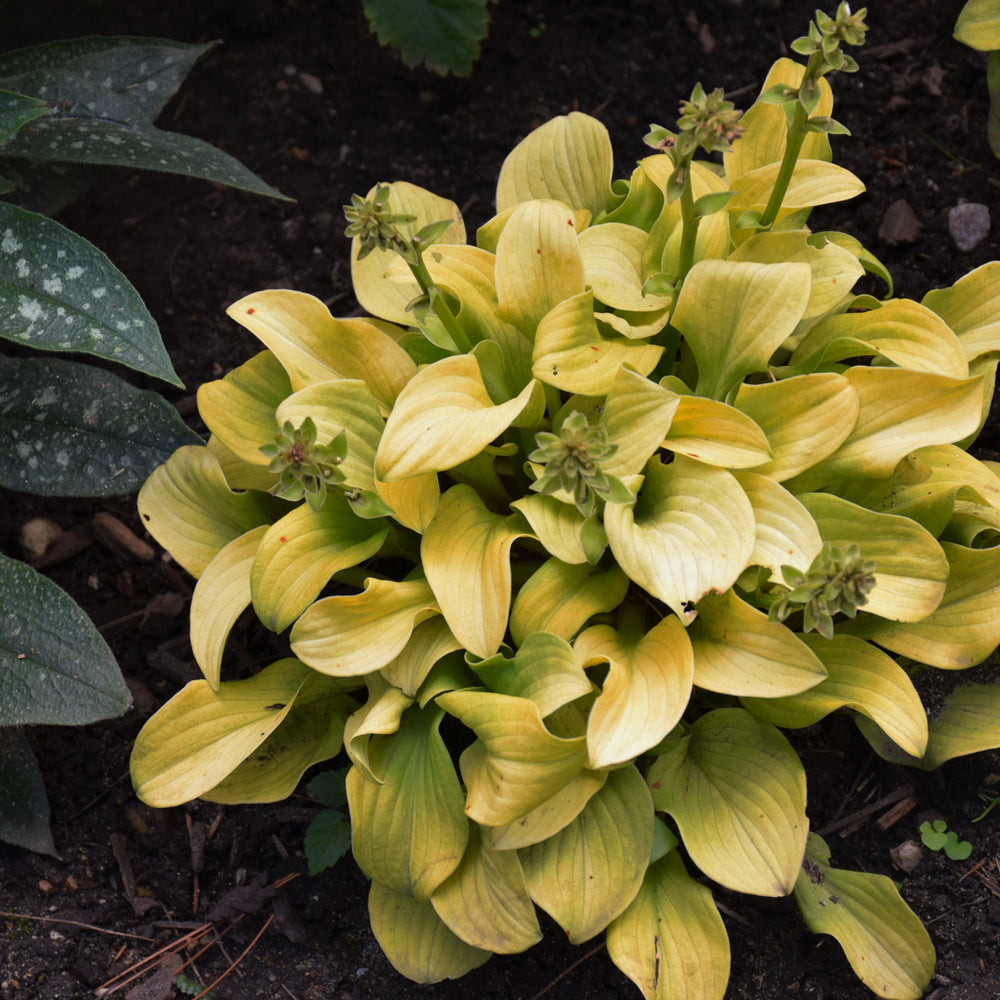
(689, 230)
(448, 319)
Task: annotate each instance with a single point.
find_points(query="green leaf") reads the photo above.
(16, 110)
(562, 529)
(671, 941)
(56, 669)
(613, 262)
(68, 429)
(379, 716)
(971, 307)
(978, 25)
(737, 791)
(814, 182)
(327, 839)
(883, 939)
(968, 723)
(444, 35)
(60, 293)
(716, 434)
(24, 806)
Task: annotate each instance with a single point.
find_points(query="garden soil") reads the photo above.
(303, 94)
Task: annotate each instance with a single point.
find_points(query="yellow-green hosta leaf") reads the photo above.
(443, 417)
(311, 733)
(412, 501)
(568, 159)
(516, 764)
(485, 900)
(814, 182)
(737, 791)
(861, 677)
(612, 261)
(417, 942)
(562, 529)
(571, 354)
(588, 873)
(971, 307)
(671, 941)
(545, 669)
(379, 716)
(637, 415)
(556, 812)
(978, 25)
(806, 418)
(969, 723)
(240, 474)
(910, 567)
(561, 597)
(346, 636)
(201, 735)
(734, 315)
(964, 628)
(188, 507)
(313, 346)
(300, 553)
(691, 531)
(883, 939)
(647, 688)
(467, 273)
(634, 325)
(409, 832)
(466, 555)
(220, 597)
(374, 286)
(738, 651)
(239, 409)
(431, 640)
(717, 434)
(906, 333)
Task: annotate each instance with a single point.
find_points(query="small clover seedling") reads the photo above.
(938, 837)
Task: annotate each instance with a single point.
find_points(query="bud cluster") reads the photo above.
(304, 467)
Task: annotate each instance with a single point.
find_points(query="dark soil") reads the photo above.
(917, 110)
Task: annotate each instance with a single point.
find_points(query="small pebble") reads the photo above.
(900, 224)
(312, 83)
(968, 225)
(37, 535)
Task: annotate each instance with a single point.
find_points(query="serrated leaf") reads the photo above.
(60, 293)
(24, 806)
(68, 429)
(327, 839)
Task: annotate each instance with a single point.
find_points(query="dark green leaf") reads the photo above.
(68, 429)
(823, 123)
(54, 666)
(17, 110)
(327, 840)
(330, 788)
(24, 808)
(780, 93)
(709, 204)
(60, 293)
(47, 188)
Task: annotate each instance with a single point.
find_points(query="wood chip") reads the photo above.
(118, 538)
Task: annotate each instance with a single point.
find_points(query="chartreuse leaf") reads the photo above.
(612, 261)
(410, 831)
(312, 732)
(971, 306)
(805, 418)
(412, 501)
(442, 418)
(568, 159)
(562, 529)
(239, 408)
(968, 723)
(883, 939)
(737, 791)
(485, 900)
(389, 299)
(906, 333)
(466, 555)
(588, 873)
(561, 597)
(431, 640)
(814, 182)
(220, 597)
(964, 628)
(911, 569)
(671, 941)
(691, 531)
(571, 354)
(717, 434)
(735, 315)
(738, 651)
(978, 25)
(201, 735)
(516, 764)
(313, 346)
(645, 692)
(417, 942)
(188, 507)
(300, 553)
(538, 263)
(861, 677)
(637, 415)
(379, 716)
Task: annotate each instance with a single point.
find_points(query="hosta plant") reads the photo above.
(574, 523)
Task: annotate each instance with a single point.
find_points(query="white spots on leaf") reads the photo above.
(74, 272)
(151, 85)
(62, 458)
(53, 286)
(99, 292)
(30, 309)
(23, 269)
(46, 396)
(10, 243)
(23, 449)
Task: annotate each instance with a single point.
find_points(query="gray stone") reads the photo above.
(900, 224)
(968, 225)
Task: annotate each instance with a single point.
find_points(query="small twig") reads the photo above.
(974, 868)
(565, 972)
(242, 955)
(140, 968)
(74, 923)
(886, 800)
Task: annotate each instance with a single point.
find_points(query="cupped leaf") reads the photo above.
(612, 261)
(637, 415)
(588, 873)
(60, 293)
(562, 529)
(379, 716)
(409, 832)
(188, 507)
(737, 791)
(861, 677)
(671, 941)
(431, 640)
(568, 159)
(645, 692)
(883, 939)
(717, 434)
(350, 635)
(691, 531)
(68, 429)
(412, 501)
(971, 306)
(201, 735)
